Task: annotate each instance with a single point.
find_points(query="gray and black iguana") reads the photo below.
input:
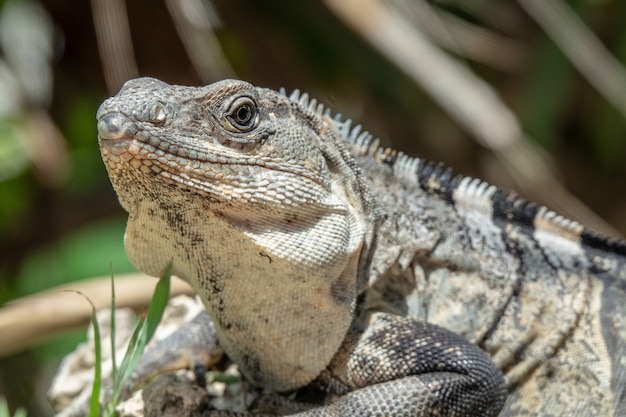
(325, 260)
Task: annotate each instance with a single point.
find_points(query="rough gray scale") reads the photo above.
(319, 254)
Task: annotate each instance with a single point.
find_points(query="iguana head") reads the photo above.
(258, 205)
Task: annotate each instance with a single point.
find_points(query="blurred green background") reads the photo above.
(60, 220)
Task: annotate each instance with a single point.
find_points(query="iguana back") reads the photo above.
(543, 295)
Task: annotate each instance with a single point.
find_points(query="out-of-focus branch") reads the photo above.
(114, 42)
(30, 320)
(465, 38)
(470, 100)
(195, 22)
(582, 48)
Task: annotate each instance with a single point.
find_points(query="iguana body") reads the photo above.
(325, 259)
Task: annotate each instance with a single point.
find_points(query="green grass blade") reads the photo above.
(146, 327)
(4, 408)
(130, 357)
(94, 400)
(226, 378)
(5, 412)
(113, 358)
(20, 412)
(143, 332)
(157, 304)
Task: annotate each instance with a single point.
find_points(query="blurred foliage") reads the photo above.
(60, 220)
(4, 410)
(89, 252)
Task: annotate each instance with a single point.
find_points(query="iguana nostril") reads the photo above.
(116, 126)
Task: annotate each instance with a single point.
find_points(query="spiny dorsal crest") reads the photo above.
(434, 178)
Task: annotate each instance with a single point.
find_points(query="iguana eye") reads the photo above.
(242, 115)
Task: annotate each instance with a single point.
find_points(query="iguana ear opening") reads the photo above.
(344, 169)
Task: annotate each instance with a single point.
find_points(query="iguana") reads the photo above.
(385, 281)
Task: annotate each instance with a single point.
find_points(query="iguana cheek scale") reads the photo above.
(325, 259)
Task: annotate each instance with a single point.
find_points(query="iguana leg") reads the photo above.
(193, 345)
(396, 366)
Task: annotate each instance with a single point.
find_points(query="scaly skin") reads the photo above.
(324, 259)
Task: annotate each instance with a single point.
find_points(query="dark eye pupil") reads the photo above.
(243, 114)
